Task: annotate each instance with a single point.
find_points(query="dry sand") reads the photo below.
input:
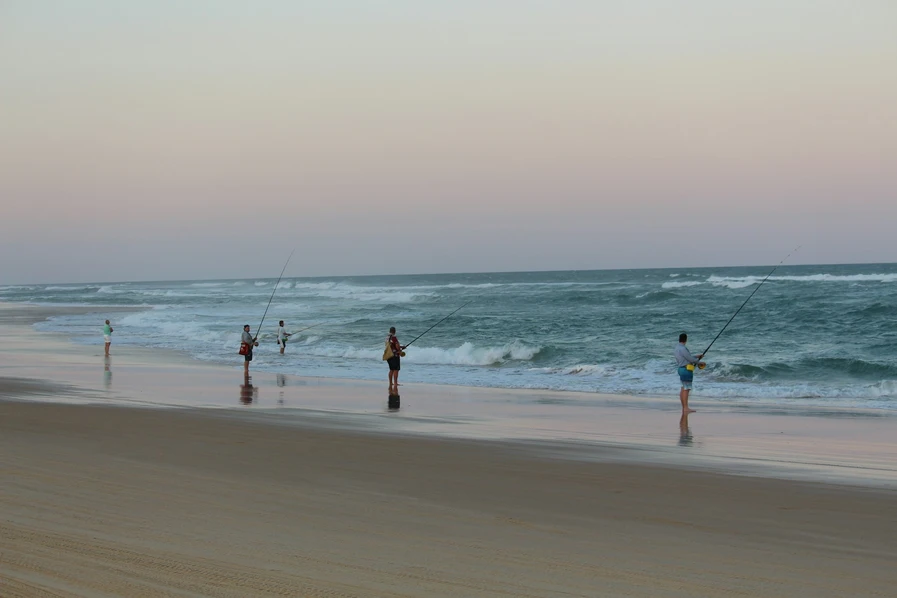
(108, 501)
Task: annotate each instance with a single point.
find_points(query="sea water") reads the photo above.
(812, 335)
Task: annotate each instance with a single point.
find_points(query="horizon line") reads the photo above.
(480, 273)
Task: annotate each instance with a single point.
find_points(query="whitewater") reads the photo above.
(813, 335)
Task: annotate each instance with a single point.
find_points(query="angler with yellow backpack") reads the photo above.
(392, 354)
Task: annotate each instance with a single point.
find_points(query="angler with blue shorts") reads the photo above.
(686, 363)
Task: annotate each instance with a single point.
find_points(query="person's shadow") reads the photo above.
(248, 392)
(685, 437)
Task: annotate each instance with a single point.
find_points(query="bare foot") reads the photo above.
(691, 410)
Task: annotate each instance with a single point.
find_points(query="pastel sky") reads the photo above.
(182, 140)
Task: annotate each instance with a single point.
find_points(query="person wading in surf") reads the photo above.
(282, 336)
(686, 363)
(392, 355)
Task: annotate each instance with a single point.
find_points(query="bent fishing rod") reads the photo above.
(438, 323)
(259, 329)
(748, 299)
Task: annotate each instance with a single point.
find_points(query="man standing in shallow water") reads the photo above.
(684, 359)
(282, 336)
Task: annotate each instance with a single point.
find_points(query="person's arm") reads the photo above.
(692, 359)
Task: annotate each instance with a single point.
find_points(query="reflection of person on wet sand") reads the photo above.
(248, 392)
(685, 437)
(107, 371)
(394, 400)
(281, 382)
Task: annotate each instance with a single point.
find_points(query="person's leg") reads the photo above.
(108, 344)
(683, 398)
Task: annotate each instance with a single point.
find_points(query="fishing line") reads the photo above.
(307, 328)
(748, 299)
(272, 295)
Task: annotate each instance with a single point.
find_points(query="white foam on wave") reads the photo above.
(883, 389)
(466, 354)
(207, 284)
(174, 329)
(680, 284)
(110, 290)
(582, 369)
(739, 282)
(331, 290)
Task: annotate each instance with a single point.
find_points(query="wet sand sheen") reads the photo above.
(102, 501)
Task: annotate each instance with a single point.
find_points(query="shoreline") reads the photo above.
(32, 313)
(838, 446)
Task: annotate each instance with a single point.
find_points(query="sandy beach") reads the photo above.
(105, 501)
(161, 480)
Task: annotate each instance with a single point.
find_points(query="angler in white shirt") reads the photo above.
(282, 336)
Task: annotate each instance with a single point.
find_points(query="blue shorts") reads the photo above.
(686, 376)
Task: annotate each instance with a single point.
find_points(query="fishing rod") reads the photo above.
(438, 323)
(258, 330)
(748, 299)
(307, 328)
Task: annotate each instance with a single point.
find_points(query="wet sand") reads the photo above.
(304, 487)
(108, 501)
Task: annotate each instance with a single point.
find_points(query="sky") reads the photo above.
(207, 139)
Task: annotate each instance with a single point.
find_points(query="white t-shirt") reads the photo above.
(280, 333)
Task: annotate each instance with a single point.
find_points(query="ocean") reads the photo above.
(812, 335)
